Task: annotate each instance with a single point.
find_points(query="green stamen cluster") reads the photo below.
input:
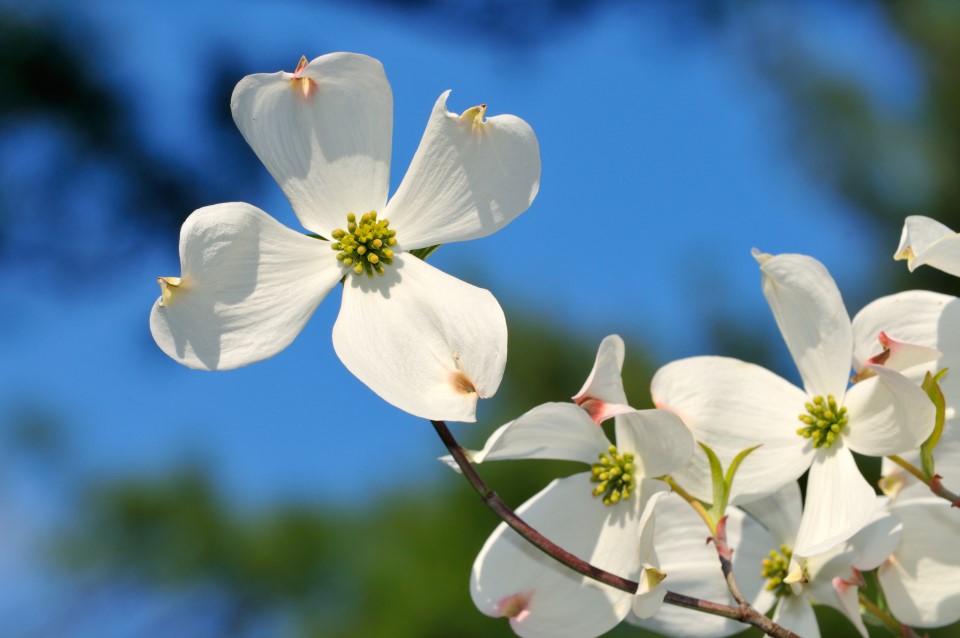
(365, 246)
(824, 421)
(775, 569)
(614, 473)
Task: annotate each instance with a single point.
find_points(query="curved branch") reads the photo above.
(745, 614)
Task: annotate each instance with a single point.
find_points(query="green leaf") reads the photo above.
(735, 465)
(719, 485)
(931, 386)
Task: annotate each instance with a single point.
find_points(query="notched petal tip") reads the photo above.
(168, 285)
(891, 485)
(796, 577)
(515, 606)
(305, 88)
(462, 383)
(301, 65)
(760, 256)
(906, 253)
(474, 117)
(651, 578)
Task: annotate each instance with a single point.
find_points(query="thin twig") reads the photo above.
(935, 484)
(745, 614)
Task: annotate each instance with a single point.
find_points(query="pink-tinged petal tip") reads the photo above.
(305, 88)
(515, 607)
(897, 355)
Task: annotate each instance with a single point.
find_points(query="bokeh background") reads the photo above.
(139, 498)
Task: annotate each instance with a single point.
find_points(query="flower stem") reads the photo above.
(743, 613)
(935, 484)
(909, 467)
(886, 618)
(694, 503)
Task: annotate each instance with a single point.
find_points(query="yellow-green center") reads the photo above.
(614, 476)
(824, 421)
(365, 246)
(775, 569)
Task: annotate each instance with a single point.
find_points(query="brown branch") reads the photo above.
(743, 613)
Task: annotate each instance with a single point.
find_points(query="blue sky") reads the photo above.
(662, 151)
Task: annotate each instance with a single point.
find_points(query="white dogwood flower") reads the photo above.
(423, 340)
(603, 516)
(919, 579)
(829, 577)
(731, 405)
(925, 241)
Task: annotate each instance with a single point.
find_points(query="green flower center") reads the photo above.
(365, 247)
(824, 421)
(614, 475)
(775, 569)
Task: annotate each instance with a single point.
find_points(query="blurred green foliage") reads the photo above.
(399, 566)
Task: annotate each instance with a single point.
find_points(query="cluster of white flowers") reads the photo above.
(432, 345)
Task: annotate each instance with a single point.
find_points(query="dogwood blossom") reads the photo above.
(830, 577)
(927, 241)
(603, 516)
(605, 520)
(423, 340)
(921, 334)
(732, 405)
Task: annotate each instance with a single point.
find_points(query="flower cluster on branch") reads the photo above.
(719, 457)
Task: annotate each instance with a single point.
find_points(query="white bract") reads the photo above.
(603, 516)
(423, 340)
(920, 333)
(602, 394)
(731, 405)
(925, 241)
(831, 577)
(920, 580)
(693, 569)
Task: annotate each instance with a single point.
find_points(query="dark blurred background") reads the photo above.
(138, 498)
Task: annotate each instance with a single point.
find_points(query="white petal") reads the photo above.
(865, 551)
(659, 441)
(835, 574)
(551, 431)
(424, 341)
(873, 544)
(920, 580)
(651, 589)
(330, 149)
(560, 602)
(780, 513)
(848, 603)
(248, 286)
(796, 614)
(468, 178)
(692, 568)
(927, 241)
(731, 406)
(926, 319)
(602, 395)
(812, 318)
(889, 414)
(839, 501)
